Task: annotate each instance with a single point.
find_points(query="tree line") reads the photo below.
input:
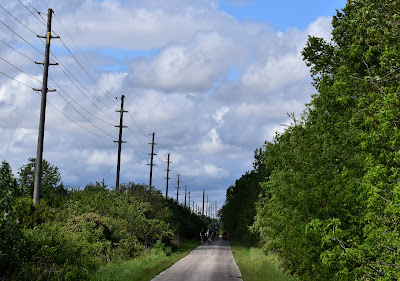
(328, 202)
(72, 233)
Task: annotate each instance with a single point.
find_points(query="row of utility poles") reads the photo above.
(208, 210)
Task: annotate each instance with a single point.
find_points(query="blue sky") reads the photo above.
(213, 79)
(282, 14)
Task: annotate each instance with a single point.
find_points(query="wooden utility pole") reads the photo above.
(168, 178)
(177, 190)
(185, 194)
(204, 193)
(121, 117)
(44, 90)
(151, 160)
(207, 208)
(216, 209)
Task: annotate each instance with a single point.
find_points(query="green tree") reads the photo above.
(9, 188)
(239, 210)
(52, 189)
(331, 205)
(10, 232)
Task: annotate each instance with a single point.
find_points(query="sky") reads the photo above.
(212, 79)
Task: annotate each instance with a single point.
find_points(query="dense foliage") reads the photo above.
(70, 234)
(239, 210)
(330, 203)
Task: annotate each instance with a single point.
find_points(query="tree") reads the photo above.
(52, 189)
(239, 209)
(9, 189)
(331, 206)
(10, 232)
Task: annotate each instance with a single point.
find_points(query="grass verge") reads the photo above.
(143, 268)
(255, 265)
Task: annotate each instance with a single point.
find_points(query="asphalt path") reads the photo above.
(211, 262)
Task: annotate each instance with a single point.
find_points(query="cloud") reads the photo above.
(103, 158)
(239, 3)
(199, 169)
(212, 145)
(207, 119)
(140, 24)
(218, 116)
(275, 73)
(322, 27)
(213, 171)
(186, 67)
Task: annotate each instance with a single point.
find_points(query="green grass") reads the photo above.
(143, 268)
(255, 265)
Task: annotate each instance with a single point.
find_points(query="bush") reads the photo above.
(69, 236)
(11, 237)
(29, 216)
(51, 254)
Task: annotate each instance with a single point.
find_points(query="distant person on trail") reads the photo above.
(216, 233)
(202, 236)
(209, 236)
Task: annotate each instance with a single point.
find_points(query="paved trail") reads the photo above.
(211, 262)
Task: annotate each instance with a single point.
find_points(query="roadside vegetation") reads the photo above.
(70, 235)
(329, 200)
(145, 267)
(255, 265)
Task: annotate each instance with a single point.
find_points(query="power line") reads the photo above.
(42, 21)
(15, 80)
(84, 88)
(68, 76)
(78, 110)
(133, 149)
(81, 105)
(56, 108)
(17, 20)
(78, 123)
(123, 151)
(91, 77)
(87, 73)
(81, 51)
(22, 38)
(58, 60)
(11, 47)
(87, 59)
(138, 140)
(141, 151)
(59, 66)
(137, 125)
(163, 162)
(87, 97)
(20, 35)
(64, 69)
(20, 70)
(50, 78)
